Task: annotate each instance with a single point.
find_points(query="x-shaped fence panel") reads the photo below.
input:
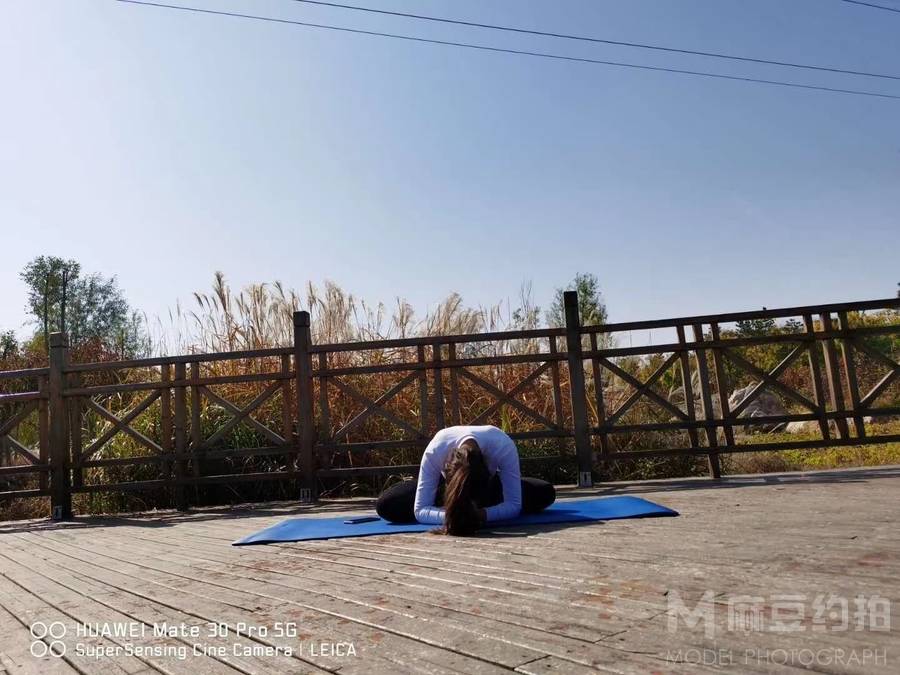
(372, 407)
(183, 419)
(410, 418)
(241, 414)
(24, 433)
(11, 424)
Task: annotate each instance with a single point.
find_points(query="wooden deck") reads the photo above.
(545, 599)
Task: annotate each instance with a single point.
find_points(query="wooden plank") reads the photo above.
(44, 432)
(377, 404)
(117, 606)
(13, 445)
(729, 343)
(502, 395)
(508, 397)
(16, 656)
(166, 430)
(196, 424)
(17, 418)
(722, 386)
(437, 358)
(48, 601)
(583, 451)
(833, 377)
(729, 317)
(687, 387)
(324, 410)
(521, 611)
(554, 592)
(816, 375)
(642, 389)
(19, 396)
(280, 574)
(373, 407)
(769, 379)
(417, 366)
(305, 415)
(761, 447)
(220, 597)
(24, 373)
(60, 479)
(287, 415)
(885, 382)
(76, 408)
(179, 468)
(456, 413)
(557, 388)
(712, 441)
(120, 424)
(206, 357)
(155, 385)
(285, 575)
(242, 415)
(399, 343)
(598, 398)
(850, 370)
(423, 394)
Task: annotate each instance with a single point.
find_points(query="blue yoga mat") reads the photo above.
(571, 511)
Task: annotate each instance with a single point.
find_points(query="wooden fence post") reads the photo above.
(305, 417)
(850, 371)
(181, 445)
(833, 377)
(437, 357)
(583, 453)
(709, 415)
(44, 430)
(60, 481)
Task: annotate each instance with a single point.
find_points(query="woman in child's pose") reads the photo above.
(469, 476)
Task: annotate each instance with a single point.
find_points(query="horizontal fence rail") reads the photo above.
(24, 433)
(317, 418)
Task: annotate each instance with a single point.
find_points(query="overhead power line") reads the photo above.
(872, 4)
(584, 38)
(519, 52)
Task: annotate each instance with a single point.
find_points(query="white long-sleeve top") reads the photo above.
(500, 455)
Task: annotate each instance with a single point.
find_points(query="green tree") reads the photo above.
(591, 306)
(754, 327)
(793, 326)
(88, 308)
(9, 345)
(48, 279)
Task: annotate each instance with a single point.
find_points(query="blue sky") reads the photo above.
(161, 146)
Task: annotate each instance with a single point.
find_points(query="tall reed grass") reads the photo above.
(261, 316)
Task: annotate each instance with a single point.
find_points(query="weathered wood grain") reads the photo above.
(566, 599)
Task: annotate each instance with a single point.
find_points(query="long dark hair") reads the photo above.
(467, 485)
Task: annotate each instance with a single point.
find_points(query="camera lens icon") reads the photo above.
(40, 630)
(55, 630)
(39, 649)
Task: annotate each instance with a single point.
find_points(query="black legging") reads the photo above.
(396, 503)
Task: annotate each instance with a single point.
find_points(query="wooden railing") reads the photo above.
(319, 415)
(831, 351)
(27, 405)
